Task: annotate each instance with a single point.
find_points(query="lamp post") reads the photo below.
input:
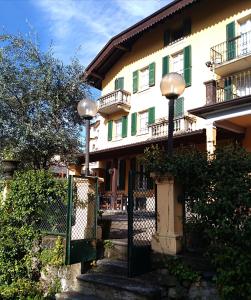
(87, 109)
(172, 86)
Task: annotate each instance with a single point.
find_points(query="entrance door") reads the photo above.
(81, 219)
(142, 222)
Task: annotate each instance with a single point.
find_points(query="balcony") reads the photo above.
(181, 125)
(117, 101)
(233, 55)
(233, 87)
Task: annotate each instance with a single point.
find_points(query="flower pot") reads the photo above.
(9, 167)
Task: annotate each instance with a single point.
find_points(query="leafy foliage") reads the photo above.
(20, 265)
(38, 99)
(54, 256)
(180, 270)
(217, 192)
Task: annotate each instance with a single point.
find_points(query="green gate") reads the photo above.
(81, 219)
(142, 222)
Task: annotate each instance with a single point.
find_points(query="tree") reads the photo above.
(38, 99)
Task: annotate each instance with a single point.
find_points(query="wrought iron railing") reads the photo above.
(116, 97)
(231, 49)
(234, 86)
(181, 124)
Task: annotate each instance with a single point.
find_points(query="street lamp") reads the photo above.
(87, 109)
(172, 86)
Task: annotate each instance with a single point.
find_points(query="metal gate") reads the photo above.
(81, 219)
(142, 222)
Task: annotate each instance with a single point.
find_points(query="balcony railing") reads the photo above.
(234, 86)
(229, 50)
(114, 101)
(181, 125)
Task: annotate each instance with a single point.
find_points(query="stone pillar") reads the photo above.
(211, 138)
(210, 92)
(168, 239)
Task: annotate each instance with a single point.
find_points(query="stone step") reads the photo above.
(110, 266)
(116, 287)
(118, 249)
(75, 296)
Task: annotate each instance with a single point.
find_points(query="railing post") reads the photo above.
(210, 91)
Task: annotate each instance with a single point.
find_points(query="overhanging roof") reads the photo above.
(188, 138)
(122, 42)
(209, 111)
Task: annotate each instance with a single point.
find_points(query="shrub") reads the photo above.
(217, 192)
(30, 191)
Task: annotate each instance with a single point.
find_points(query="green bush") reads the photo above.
(30, 192)
(217, 192)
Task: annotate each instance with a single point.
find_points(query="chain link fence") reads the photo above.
(144, 210)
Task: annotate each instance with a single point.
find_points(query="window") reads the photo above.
(245, 41)
(144, 79)
(143, 122)
(118, 129)
(178, 63)
(172, 35)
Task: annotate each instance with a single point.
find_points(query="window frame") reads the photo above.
(146, 86)
(144, 130)
(116, 136)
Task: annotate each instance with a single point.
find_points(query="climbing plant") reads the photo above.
(217, 192)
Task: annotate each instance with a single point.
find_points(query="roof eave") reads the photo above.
(91, 75)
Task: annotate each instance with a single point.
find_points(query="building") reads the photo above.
(209, 43)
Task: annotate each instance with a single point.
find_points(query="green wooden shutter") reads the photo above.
(151, 115)
(116, 84)
(179, 107)
(231, 44)
(121, 83)
(165, 65)
(133, 123)
(122, 174)
(107, 177)
(228, 89)
(135, 79)
(188, 65)
(124, 126)
(152, 74)
(167, 37)
(110, 130)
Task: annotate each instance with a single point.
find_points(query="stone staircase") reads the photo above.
(109, 281)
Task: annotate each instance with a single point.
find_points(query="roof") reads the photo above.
(186, 138)
(122, 42)
(208, 111)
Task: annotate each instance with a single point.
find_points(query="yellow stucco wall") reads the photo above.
(209, 19)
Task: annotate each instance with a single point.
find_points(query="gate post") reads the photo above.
(169, 235)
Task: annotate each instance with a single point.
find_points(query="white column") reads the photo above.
(211, 138)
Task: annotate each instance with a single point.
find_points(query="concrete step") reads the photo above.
(108, 266)
(108, 286)
(75, 296)
(118, 250)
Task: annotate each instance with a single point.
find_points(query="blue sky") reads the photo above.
(74, 27)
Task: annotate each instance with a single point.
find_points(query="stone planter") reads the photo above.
(9, 167)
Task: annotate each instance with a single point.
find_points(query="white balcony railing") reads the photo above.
(181, 125)
(114, 101)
